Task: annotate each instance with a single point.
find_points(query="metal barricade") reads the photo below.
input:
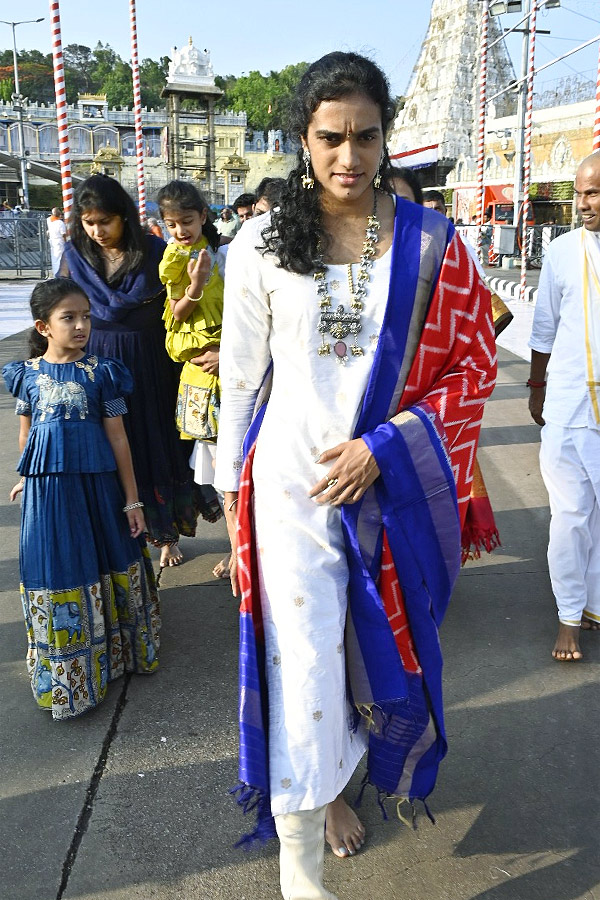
(24, 248)
(538, 241)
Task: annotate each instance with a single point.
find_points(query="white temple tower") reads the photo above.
(191, 77)
(441, 106)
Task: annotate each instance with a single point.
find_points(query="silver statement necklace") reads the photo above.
(339, 323)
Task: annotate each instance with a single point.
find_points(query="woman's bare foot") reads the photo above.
(170, 555)
(344, 831)
(566, 648)
(221, 570)
(589, 624)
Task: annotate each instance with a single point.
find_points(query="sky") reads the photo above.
(270, 34)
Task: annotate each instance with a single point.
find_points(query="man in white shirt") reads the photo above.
(226, 225)
(564, 378)
(57, 237)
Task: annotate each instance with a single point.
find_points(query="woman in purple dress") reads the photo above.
(117, 265)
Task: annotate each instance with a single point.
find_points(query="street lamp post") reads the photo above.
(521, 106)
(498, 7)
(18, 106)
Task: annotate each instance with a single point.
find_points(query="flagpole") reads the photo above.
(137, 107)
(527, 150)
(483, 52)
(61, 110)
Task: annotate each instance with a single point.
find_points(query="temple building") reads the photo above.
(438, 121)
(213, 148)
(436, 130)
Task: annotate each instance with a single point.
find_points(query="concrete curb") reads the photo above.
(509, 290)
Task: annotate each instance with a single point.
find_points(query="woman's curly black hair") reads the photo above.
(296, 235)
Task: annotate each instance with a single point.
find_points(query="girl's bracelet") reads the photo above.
(193, 299)
(232, 504)
(137, 505)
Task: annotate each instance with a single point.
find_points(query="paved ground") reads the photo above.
(130, 802)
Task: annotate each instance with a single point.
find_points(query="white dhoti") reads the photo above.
(570, 466)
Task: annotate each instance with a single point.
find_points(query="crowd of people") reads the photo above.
(313, 365)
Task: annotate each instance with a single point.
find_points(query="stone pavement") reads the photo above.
(14, 306)
(130, 801)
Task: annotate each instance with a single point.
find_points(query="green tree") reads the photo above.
(36, 79)
(283, 87)
(226, 83)
(79, 66)
(118, 85)
(7, 86)
(153, 76)
(266, 98)
(105, 60)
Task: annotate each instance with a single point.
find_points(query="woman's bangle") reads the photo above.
(232, 504)
(535, 384)
(193, 299)
(137, 505)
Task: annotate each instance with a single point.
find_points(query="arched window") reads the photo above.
(105, 137)
(128, 143)
(49, 139)
(30, 133)
(80, 141)
(152, 142)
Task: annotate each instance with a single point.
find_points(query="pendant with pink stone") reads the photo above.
(341, 351)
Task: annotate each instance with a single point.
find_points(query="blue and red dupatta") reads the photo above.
(433, 370)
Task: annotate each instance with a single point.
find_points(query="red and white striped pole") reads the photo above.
(483, 53)
(61, 110)
(137, 108)
(596, 142)
(527, 148)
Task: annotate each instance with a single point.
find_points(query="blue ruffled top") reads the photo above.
(67, 402)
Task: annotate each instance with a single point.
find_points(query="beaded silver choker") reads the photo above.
(339, 323)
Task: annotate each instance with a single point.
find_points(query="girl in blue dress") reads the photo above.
(87, 586)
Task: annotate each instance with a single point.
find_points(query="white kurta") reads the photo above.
(57, 238)
(314, 405)
(571, 437)
(559, 329)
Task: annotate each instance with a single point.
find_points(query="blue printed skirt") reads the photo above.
(88, 591)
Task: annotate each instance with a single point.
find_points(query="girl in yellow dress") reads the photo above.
(192, 272)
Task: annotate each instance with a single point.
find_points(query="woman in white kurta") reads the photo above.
(305, 463)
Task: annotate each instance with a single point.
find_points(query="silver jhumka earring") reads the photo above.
(308, 181)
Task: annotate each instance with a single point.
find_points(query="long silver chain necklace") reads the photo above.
(339, 323)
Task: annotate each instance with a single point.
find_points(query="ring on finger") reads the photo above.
(332, 482)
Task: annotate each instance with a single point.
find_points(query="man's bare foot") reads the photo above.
(566, 648)
(221, 570)
(344, 831)
(589, 624)
(170, 555)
